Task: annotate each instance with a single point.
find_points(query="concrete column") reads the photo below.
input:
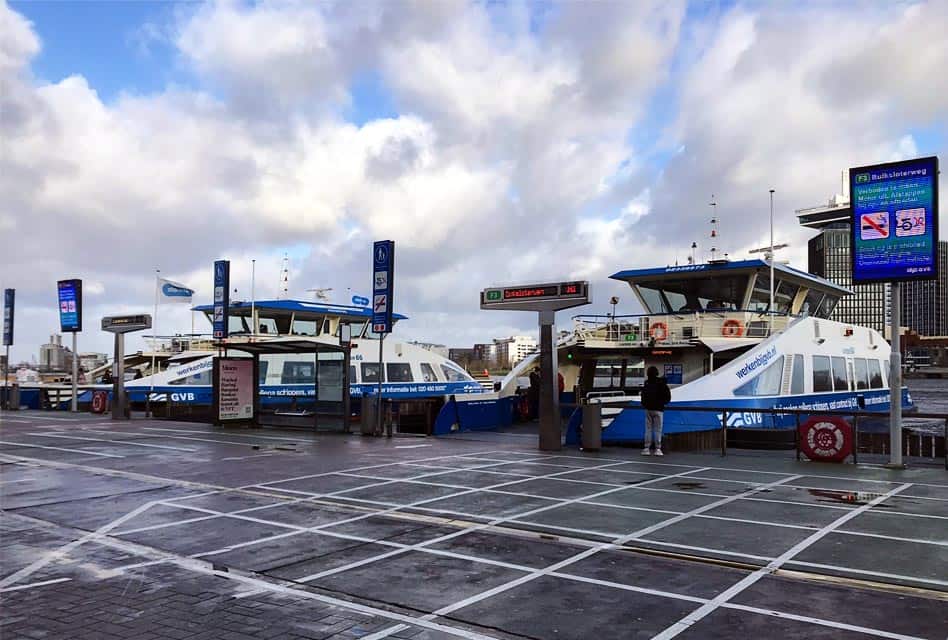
(550, 439)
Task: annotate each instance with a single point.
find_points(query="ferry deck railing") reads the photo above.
(676, 328)
(797, 413)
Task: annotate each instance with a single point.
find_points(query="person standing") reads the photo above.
(655, 395)
(533, 393)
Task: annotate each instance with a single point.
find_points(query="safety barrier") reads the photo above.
(909, 444)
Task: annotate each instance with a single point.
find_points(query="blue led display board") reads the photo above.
(9, 305)
(383, 284)
(221, 298)
(895, 221)
(70, 305)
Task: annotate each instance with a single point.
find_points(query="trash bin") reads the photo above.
(592, 427)
(369, 415)
(11, 397)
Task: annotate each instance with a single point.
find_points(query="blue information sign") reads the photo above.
(383, 284)
(221, 297)
(70, 305)
(895, 221)
(9, 304)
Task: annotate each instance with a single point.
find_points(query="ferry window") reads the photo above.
(885, 373)
(679, 302)
(304, 327)
(829, 303)
(653, 300)
(822, 378)
(796, 384)
(760, 297)
(812, 303)
(840, 381)
(398, 372)
(453, 374)
(428, 372)
(862, 373)
(267, 326)
(370, 372)
(784, 295)
(262, 378)
(352, 374)
(237, 325)
(767, 382)
(298, 372)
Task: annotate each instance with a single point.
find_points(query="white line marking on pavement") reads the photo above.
(412, 446)
(706, 609)
(48, 557)
(27, 445)
(35, 584)
(126, 441)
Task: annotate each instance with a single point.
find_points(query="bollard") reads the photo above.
(592, 427)
(368, 417)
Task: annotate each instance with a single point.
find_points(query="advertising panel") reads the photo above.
(895, 221)
(70, 305)
(235, 389)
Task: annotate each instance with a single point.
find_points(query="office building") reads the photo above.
(924, 302)
(510, 351)
(830, 257)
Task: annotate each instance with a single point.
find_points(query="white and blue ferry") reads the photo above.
(408, 370)
(713, 333)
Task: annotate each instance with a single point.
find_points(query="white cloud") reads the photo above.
(510, 157)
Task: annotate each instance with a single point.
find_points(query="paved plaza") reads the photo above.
(155, 529)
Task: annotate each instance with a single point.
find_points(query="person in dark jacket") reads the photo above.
(533, 394)
(655, 395)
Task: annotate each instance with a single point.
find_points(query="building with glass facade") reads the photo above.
(924, 302)
(830, 257)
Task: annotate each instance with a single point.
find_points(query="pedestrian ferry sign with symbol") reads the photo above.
(383, 280)
(894, 221)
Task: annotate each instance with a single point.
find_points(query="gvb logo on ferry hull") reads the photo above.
(742, 419)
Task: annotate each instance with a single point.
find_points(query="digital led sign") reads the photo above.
(895, 221)
(558, 294)
(70, 305)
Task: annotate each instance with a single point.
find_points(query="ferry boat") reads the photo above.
(711, 332)
(289, 380)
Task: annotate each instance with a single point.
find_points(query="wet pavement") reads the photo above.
(155, 529)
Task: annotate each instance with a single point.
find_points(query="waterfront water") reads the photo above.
(930, 396)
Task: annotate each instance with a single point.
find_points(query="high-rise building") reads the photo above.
(53, 355)
(830, 256)
(924, 302)
(510, 351)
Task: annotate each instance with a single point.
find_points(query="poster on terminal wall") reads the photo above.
(235, 389)
(895, 221)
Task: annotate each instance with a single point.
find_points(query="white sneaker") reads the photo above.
(658, 452)
(646, 452)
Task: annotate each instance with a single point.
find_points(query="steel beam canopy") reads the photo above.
(549, 296)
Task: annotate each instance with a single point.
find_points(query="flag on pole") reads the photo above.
(171, 292)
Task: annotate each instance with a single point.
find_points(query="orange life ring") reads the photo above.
(732, 329)
(659, 331)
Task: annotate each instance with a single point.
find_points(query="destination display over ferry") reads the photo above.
(536, 297)
(895, 221)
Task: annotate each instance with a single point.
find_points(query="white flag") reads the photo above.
(171, 292)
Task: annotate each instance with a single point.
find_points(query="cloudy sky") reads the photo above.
(493, 141)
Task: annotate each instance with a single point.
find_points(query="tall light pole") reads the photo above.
(253, 298)
(771, 324)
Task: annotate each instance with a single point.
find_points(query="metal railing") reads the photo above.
(797, 414)
(676, 328)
